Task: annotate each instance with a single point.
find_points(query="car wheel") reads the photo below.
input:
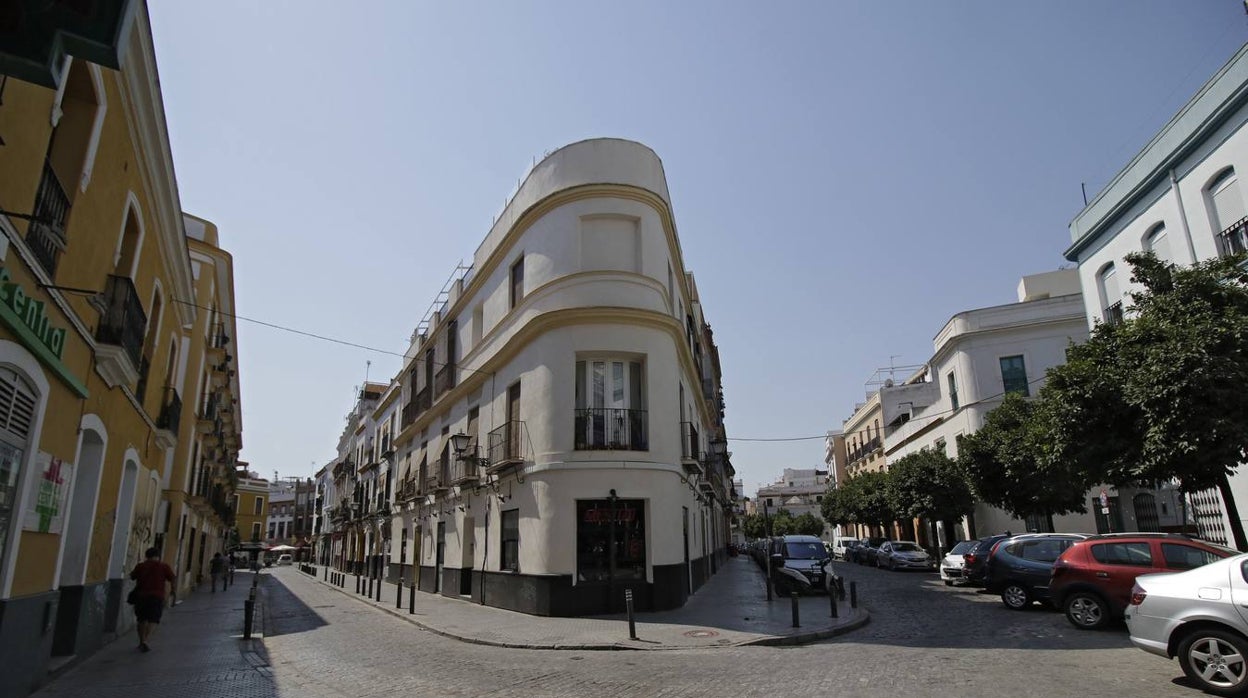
(948, 582)
(1086, 610)
(1015, 596)
(1215, 660)
(892, 566)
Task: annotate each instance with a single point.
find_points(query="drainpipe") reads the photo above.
(1178, 200)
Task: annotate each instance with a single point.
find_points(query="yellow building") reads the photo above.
(252, 505)
(102, 340)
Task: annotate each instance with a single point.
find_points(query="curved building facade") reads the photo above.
(575, 364)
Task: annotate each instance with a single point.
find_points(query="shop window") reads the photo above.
(610, 540)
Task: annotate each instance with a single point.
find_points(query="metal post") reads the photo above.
(327, 573)
(370, 587)
(628, 606)
(411, 598)
(832, 601)
(398, 593)
(379, 581)
(796, 624)
(840, 588)
(853, 594)
(249, 607)
(767, 549)
(357, 582)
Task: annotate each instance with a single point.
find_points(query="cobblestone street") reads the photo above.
(923, 639)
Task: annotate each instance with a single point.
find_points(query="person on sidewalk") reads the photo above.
(217, 569)
(150, 577)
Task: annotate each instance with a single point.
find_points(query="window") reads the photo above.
(1227, 212)
(255, 531)
(603, 526)
(1186, 557)
(478, 324)
(610, 405)
(1111, 296)
(953, 390)
(510, 549)
(259, 506)
(1014, 375)
(1044, 549)
(517, 282)
(1136, 554)
(1157, 242)
(17, 415)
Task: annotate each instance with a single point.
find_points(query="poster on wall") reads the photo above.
(49, 494)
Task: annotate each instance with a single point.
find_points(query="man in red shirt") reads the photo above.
(149, 589)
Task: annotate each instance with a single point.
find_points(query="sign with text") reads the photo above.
(48, 494)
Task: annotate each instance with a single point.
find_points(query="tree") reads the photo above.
(1007, 468)
(753, 526)
(1164, 394)
(808, 525)
(929, 484)
(837, 507)
(783, 523)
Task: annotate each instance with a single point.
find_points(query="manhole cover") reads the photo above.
(701, 633)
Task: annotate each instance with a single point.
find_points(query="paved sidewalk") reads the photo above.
(729, 610)
(197, 650)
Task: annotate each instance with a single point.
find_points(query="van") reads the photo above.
(798, 563)
(841, 545)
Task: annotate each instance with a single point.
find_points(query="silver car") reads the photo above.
(1199, 616)
(902, 555)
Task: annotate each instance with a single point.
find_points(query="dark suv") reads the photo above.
(975, 562)
(1092, 580)
(1019, 568)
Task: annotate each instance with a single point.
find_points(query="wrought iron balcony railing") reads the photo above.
(611, 429)
(1234, 240)
(689, 443)
(170, 411)
(505, 445)
(46, 235)
(123, 322)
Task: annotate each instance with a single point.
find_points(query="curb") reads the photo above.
(862, 617)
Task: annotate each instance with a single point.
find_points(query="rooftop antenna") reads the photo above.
(367, 365)
(1084, 185)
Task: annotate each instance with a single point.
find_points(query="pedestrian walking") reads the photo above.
(149, 594)
(233, 565)
(216, 568)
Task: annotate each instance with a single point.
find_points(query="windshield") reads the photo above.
(906, 548)
(876, 542)
(963, 548)
(804, 551)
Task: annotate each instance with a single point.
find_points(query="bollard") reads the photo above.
(411, 600)
(249, 607)
(380, 579)
(357, 583)
(398, 593)
(370, 588)
(832, 601)
(327, 574)
(628, 606)
(793, 598)
(853, 594)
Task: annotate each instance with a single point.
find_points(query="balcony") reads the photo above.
(217, 342)
(46, 235)
(611, 429)
(410, 413)
(505, 445)
(444, 380)
(1234, 240)
(465, 471)
(119, 336)
(1113, 314)
(169, 419)
(690, 447)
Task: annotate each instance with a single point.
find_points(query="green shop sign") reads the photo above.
(27, 318)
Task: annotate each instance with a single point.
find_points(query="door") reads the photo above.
(512, 435)
(1118, 564)
(466, 536)
(439, 557)
(1146, 519)
(688, 567)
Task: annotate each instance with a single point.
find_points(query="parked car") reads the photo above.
(1092, 580)
(798, 558)
(951, 565)
(1019, 568)
(1197, 616)
(285, 559)
(864, 554)
(975, 561)
(903, 555)
(842, 546)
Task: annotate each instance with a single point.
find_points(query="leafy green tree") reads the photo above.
(837, 507)
(753, 526)
(929, 484)
(1005, 464)
(783, 523)
(1163, 394)
(808, 525)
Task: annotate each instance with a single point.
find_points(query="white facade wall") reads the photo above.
(596, 274)
(1167, 184)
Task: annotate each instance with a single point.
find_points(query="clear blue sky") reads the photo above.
(845, 175)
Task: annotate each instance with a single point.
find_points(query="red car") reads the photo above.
(1092, 580)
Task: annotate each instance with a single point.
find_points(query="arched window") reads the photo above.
(1157, 242)
(128, 247)
(18, 402)
(1110, 296)
(1227, 212)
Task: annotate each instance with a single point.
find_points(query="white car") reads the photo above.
(951, 564)
(1199, 616)
(285, 559)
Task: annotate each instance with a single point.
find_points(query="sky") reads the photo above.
(845, 176)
